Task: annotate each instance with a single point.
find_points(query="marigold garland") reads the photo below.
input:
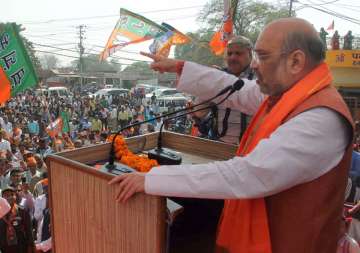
(125, 156)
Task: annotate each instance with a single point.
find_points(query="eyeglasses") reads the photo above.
(261, 57)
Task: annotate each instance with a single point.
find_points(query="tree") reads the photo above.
(198, 49)
(250, 17)
(49, 61)
(139, 67)
(91, 63)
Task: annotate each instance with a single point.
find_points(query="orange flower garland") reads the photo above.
(125, 156)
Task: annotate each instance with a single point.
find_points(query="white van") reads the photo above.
(61, 92)
(164, 103)
(162, 92)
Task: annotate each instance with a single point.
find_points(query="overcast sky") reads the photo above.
(54, 23)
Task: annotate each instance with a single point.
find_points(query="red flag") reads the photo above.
(5, 86)
(331, 26)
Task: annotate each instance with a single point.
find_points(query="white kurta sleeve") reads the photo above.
(204, 83)
(301, 150)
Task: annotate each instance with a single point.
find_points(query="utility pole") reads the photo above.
(81, 52)
(290, 7)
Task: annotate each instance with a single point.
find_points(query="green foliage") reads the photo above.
(139, 67)
(49, 61)
(127, 84)
(198, 50)
(250, 17)
(91, 63)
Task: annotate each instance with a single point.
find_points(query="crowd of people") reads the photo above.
(289, 67)
(28, 133)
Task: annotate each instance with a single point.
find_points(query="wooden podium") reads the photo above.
(85, 216)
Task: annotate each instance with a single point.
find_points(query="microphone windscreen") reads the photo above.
(238, 85)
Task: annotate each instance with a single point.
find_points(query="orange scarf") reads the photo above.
(244, 225)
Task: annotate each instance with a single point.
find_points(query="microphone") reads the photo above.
(232, 88)
(111, 166)
(237, 86)
(165, 156)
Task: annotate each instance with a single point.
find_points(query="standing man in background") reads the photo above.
(230, 123)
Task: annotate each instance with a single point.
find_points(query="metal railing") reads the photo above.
(355, 43)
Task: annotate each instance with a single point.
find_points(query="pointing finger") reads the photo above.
(152, 56)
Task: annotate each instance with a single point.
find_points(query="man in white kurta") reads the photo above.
(260, 171)
(265, 171)
(318, 136)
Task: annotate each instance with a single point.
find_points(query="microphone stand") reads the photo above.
(165, 156)
(236, 86)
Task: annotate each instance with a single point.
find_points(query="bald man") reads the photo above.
(284, 189)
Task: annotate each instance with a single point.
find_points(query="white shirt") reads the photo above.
(5, 145)
(113, 114)
(40, 205)
(8, 128)
(158, 125)
(301, 150)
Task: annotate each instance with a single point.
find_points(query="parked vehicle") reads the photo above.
(110, 92)
(144, 88)
(61, 92)
(162, 92)
(174, 102)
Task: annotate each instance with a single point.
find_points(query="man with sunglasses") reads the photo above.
(284, 191)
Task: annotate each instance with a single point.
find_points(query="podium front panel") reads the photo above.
(86, 218)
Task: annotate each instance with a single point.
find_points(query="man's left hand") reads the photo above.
(128, 185)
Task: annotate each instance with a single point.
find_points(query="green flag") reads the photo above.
(15, 63)
(65, 119)
(131, 28)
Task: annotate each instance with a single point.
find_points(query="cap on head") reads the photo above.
(241, 41)
(8, 189)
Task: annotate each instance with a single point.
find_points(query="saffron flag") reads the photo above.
(331, 26)
(162, 45)
(131, 28)
(219, 40)
(55, 127)
(16, 69)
